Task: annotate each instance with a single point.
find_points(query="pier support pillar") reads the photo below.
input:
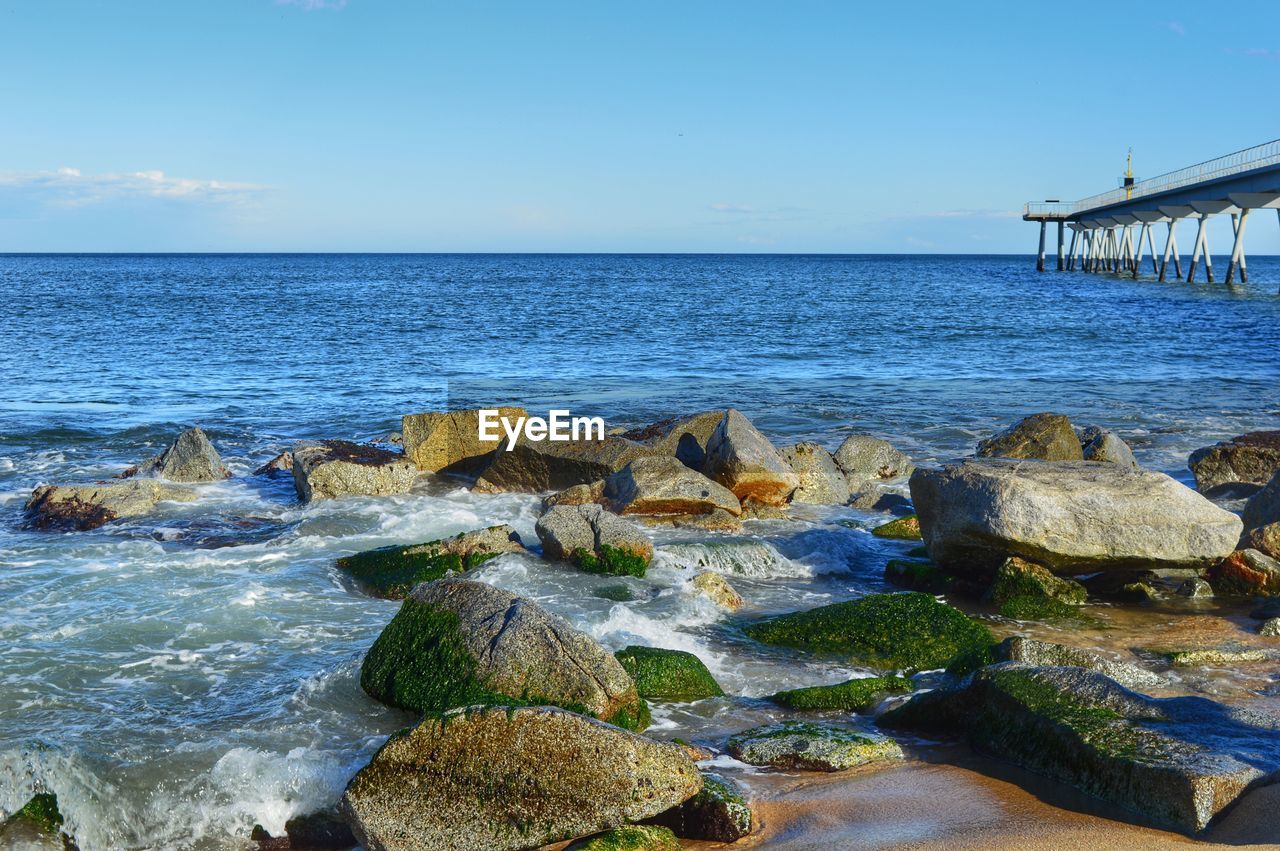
(1237, 249)
(1040, 256)
(1142, 236)
(1062, 261)
(1196, 249)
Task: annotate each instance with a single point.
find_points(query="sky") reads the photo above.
(371, 125)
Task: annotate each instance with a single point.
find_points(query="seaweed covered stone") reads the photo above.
(633, 837)
(903, 529)
(718, 813)
(40, 814)
(89, 506)
(329, 469)
(851, 696)
(1044, 653)
(507, 779)
(457, 643)
(904, 631)
(1027, 591)
(672, 675)
(1179, 761)
(805, 746)
(918, 576)
(595, 540)
(392, 572)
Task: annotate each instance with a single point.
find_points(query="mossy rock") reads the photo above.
(618, 593)
(41, 814)
(1026, 591)
(852, 696)
(718, 813)
(799, 745)
(610, 561)
(635, 837)
(903, 529)
(392, 572)
(906, 631)
(668, 674)
(918, 576)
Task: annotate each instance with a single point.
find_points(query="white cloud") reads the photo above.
(70, 187)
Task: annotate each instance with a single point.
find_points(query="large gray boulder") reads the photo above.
(504, 780)
(1098, 444)
(449, 441)
(329, 469)
(1179, 761)
(537, 467)
(662, 485)
(593, 537)
(744, 461)
(1072, 517)
(1250, 459)
(455, 642)
(190, 458)
(1042, 437)
(865, 459)
(683, 438)
(88, 506)
(1264, 506)
(821, 481)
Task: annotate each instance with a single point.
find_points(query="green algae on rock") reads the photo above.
(633, 837)
(392, 572)
(619, 593)
(803, 746)
(41, 814)
(906, 631)
(456, 643)
(610, 561)
(672, 675)
(1026, 591)
(903, 529)
(595, 540)
(851, 696)
(918, 576)
(719, 813)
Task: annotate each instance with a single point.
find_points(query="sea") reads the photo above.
(178, 679)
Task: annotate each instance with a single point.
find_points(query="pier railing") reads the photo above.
(1048, 210)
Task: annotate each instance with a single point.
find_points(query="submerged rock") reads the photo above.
(1263, 507)
(392, 572)
(84, 507)
(506, 779)
(596, 540)
(330, 469)
(1246, 572)
(1251, 459)
(449, 441)
(718, 813)
(821, 481)
(190, 458)
(744, 461)
(672, 675)
(851, 696)
(1042, 437)
(1073, 517)
(903, 529)
(1101, 445)
(1043, 653)
(715, 587)
(906, 631)
(805, 746)
(1195, 589)
(1027, 591)
(663, 486)
(456, 643)
(1178, 761)
(865, 459)
(633, 837)
(918, 576)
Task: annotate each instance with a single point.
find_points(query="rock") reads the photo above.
(671, 675)
(330, 469)
(633, 837)
(719, 813)
(309, 832)
(1246, 572)
(865, 459)
(717, 521)
(1251, 459)
(875, 498)
(190, 458)
(619, 593)
(551, 466)
(1195, 589)
(903, 529)
(1101, 445)
(804, 746)
(505, 779)
(392, 572)
(1140, 592)
(1179, 761)
(821, 482)
(683, 438)
(1263, 508)
(596, 540)
(449, 441)
(40, 814)
(457, 643)
(744, 461)
(718, 590)
(918, 576)
(1042, 437)
(663, 486)
(1270, 627)
(1046, 654)
(588, 494)
(1264, 539)
(851, 696)
(1026, 591)
(282, 463)
(84, 507)
(1196, 657)
(1072, 517)
(907, 631)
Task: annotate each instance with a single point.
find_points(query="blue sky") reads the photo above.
(369, 125)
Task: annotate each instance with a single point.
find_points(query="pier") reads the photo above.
(1114, 231)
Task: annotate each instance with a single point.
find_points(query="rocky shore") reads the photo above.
(529, 732)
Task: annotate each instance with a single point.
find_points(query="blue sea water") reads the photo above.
(174, 692)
